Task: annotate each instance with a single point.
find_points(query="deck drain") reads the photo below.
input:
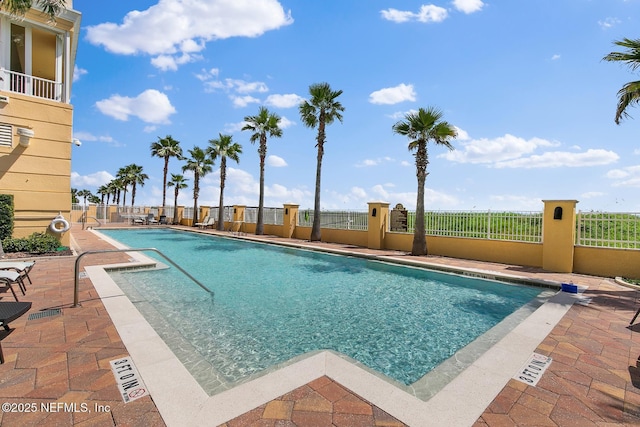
(44, 313)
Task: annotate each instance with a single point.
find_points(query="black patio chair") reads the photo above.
(10, 311)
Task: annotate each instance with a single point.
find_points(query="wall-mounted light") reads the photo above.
(77, 142)
(25, 136)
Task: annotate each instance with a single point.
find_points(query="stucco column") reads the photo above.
(559, 235)
(290, 220)
(378, 224)
(238, 212)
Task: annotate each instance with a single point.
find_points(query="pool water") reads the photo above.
(273, 303)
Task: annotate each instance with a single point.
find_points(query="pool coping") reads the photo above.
(179, 397)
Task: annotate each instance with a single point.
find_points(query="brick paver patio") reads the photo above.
(594, 379)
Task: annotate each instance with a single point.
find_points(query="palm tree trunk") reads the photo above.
(263, 154)
(175, 206)
(133, 194)
(223, 177)
(419, 246)
(196, 191)
(164, 182)
(315, 229)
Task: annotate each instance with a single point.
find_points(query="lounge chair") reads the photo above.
(151, 219)
(22, 267)
(9, 278)
(204, 222)
(208, 223)
(10, 311)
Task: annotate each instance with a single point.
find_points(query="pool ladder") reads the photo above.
(77, 269)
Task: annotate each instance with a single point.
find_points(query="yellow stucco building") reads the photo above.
(37, 59)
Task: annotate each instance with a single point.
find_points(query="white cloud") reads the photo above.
(462, 134)
(592, 194)
(468, 6)
(168, 62)
(608, 23)
(500, 149)
(285, 123)
(94, 180)
(625, 177)
(234, 127)
(400, 115)
(87, 136)
(428, 13)
(151, 106)
(243, 101)
(78, 72)
(555, 57)
(242, 188)
(367, 162)
(174, 31)
(511, 202)
(276, 162)
(393, 95)
(206, 75)
(513, 152)
(284, 101)
(557, 159)
(236, 85)
(408, 199)
(373, 162)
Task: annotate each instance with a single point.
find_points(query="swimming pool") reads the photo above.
(274, 303)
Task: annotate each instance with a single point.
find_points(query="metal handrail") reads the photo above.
(77, 271)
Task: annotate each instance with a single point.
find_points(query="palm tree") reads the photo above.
(261, 125)
(224, 147)
(74, 195)
(123, 183)
(200, 164)
(84, 194)
(21, 7)
(136, 177)
(629, 95)
(117, 186)
(179, 182)
(166, 148)
(132, 175)
(103, 191)
(321, 110)
(421, 127)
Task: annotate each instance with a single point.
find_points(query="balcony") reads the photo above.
(12, 81)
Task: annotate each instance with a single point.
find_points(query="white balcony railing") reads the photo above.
(29, 85)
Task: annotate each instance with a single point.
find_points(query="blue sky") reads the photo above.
(523, 81)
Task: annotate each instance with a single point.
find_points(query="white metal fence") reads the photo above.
(597, 229)
(341, 220)
(607, 229)
(513, 226)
